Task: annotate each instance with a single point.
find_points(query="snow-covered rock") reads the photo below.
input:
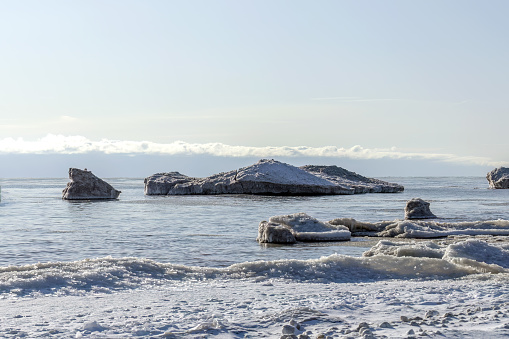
(85, 186)
(417, 208)
(299, 227)
(274, 233)
(359, 183)
(498, 178)
(268, 177)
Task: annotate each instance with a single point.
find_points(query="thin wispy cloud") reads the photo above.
(60, 144)
(353, 99)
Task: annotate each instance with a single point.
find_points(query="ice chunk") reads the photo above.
(417, 208)
(94, 326)
(274, 233)
(359, 227)
(301, 222)
(498, 178)
(432, 229)
(479, 254)
(426, 249)
(302, 227)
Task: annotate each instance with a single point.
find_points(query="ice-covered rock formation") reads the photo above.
(85, 186)
(359, 183)
(268, 177)
(269, 232)
(417, 208)
(498, 178)
(359, 228)
(423, 229)
(299, 227)
(432, 229)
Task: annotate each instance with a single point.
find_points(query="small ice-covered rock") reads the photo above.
(94, 326)
(295, 324)
(213, 324)
(302, 227)
(417, 208)
(85, 186)
(498, 178)
(362, 325)
(274, 233)
(288, 329)
(431, 314)
(385, 324)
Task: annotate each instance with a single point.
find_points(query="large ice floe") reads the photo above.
(270, 177)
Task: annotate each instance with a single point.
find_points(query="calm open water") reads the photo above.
(38, 226)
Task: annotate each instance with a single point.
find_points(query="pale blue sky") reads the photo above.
(426, 77)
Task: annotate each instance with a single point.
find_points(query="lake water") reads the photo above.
(208, 231)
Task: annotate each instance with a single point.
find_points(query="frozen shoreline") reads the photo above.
(397, 290)
(477, 306)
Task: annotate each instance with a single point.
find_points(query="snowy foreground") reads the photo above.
(402, 289)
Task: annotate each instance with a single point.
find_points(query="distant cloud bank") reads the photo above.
(60, 144)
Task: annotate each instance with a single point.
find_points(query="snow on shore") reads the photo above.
(475, 307)
(397, 290)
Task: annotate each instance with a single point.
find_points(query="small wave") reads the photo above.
(384, 261)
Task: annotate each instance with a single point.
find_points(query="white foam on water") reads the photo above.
(384, 261)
